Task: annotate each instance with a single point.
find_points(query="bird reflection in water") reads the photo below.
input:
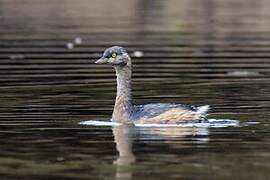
(125, 134)
(122, 137)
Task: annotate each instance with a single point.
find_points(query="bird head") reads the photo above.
(116, 56)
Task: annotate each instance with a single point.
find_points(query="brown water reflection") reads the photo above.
(196, 52)
(124, 147)
(124, 136)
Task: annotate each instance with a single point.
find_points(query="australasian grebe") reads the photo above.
(125, 112)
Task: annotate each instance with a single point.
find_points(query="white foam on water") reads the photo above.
(100, 123)
(252, 122)
(213, 123)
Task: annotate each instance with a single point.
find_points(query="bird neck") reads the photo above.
(123, 103)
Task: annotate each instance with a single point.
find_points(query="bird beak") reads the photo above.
(102, 61)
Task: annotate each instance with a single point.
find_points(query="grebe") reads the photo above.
(125, 112)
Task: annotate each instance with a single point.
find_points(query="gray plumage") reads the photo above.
(155, 109)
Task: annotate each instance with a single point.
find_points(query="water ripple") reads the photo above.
(212, 123)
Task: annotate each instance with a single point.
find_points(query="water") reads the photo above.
(193, 52)
(215, 123)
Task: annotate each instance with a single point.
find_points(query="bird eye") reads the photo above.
(113, 55)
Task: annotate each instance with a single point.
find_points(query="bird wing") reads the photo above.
(152, 110)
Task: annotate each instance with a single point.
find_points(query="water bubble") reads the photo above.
(16, 57)
(60, 159)
(243, 73)
(138, 54)
(70, 45)
(78, 40)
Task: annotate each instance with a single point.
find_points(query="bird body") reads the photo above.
(124, 110)
(162, 113)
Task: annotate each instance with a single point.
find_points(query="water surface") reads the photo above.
(193, 52)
